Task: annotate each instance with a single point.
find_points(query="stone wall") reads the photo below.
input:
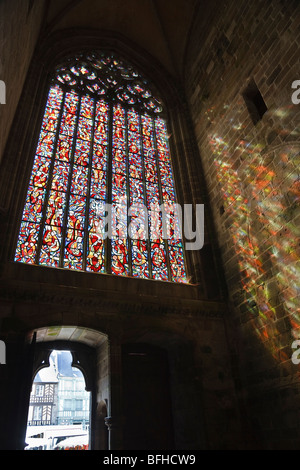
(239, 71)
(19, 30)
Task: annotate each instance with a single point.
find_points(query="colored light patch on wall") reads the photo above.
(260, 198)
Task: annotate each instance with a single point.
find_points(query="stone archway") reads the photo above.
(89, 349)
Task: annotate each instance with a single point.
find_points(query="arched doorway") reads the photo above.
(87, 352)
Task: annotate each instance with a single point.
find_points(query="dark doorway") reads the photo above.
(146, 398)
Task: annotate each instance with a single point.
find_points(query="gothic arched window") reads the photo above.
(102, 177)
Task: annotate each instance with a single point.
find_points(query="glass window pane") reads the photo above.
(100, 176)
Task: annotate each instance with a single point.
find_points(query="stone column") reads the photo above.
(114, 421)
(15, 387)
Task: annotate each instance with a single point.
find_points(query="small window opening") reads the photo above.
(254, 102)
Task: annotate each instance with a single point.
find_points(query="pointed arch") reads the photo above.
(102, 160)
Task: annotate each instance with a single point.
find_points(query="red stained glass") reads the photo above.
(119, 257)
(168, 194)
(138, 225)
(133, 121)
(64, 148)
(87, 107)
(100, 157)
(45, 145)
(82, 153)
(27, 243)
(95, 257)
(91, 147)
(159, 263)
(55, 97)
(118, 188)
(60, 176)
(101, 111)
(68, 122)
(173, 223)
(100, 135)
(119, 161)
(50, 119)
(51, 243)
(119, 137)
(177, 265)
(150, 171)
(155, 226)
(79, 180)
(84, 129)
(40, 172)
(135, 166)
(119, 221)
(55, 208)
(136, 191)
(153, 198)
(97, 220)
(73, 257)
(76, 216)
(71, 103)
(34, 204)
(139, 259)
(166, 174)
(98, 184)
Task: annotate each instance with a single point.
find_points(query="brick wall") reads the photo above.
(244, 57)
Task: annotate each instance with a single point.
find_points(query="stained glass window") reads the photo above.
(101, 194)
